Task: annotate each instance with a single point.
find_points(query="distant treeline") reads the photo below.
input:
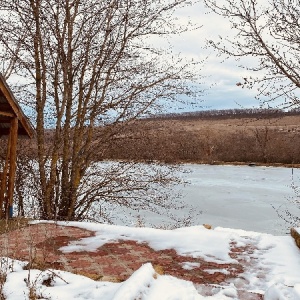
(166, 138)
(169, 138)
(258, 113)
(260, 145)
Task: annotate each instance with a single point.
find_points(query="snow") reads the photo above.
(276, 273)
(190, 265)
(213, 247)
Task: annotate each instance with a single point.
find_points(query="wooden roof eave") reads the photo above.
(7, 114)
(17, 111)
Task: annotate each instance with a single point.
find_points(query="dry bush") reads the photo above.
(203, 141)
(212, 141)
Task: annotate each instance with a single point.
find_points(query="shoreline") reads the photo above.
(213, 163)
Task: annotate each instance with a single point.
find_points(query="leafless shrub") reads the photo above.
(86, 70)
(290, 211)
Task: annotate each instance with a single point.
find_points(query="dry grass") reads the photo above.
(267, 139)
(2, 282)
(234, 140)
(12, 224)
(221, 124)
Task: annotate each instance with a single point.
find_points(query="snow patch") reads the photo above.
(190, 265)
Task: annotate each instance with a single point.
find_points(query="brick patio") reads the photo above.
(39, 244)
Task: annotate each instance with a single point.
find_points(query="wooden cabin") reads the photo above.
(13, 124)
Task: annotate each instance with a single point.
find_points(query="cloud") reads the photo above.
(220, 76)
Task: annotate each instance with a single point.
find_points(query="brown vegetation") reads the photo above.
(229, 136)
(237, 139)
(203, 137)
(273, 138)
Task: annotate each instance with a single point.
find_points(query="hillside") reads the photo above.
(206, 138)
(231, 136)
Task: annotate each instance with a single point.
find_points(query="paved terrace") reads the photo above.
(40, 244)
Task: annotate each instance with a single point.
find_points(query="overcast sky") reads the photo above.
(221, 76)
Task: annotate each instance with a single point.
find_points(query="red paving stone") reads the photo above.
(40, 244)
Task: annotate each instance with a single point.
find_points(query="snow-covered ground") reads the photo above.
(240, 197)
(275, 272)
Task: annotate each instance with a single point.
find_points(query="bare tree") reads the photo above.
(262, 139)
(87, 69)
(269, 32)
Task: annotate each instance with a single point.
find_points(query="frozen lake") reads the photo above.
(240, 197)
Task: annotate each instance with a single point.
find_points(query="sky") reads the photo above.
(221, 76)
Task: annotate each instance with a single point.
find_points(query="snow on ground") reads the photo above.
(276, 273)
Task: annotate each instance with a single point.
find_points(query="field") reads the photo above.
(263, 139)
(215, 138)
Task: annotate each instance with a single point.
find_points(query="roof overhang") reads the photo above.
(10, 109)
